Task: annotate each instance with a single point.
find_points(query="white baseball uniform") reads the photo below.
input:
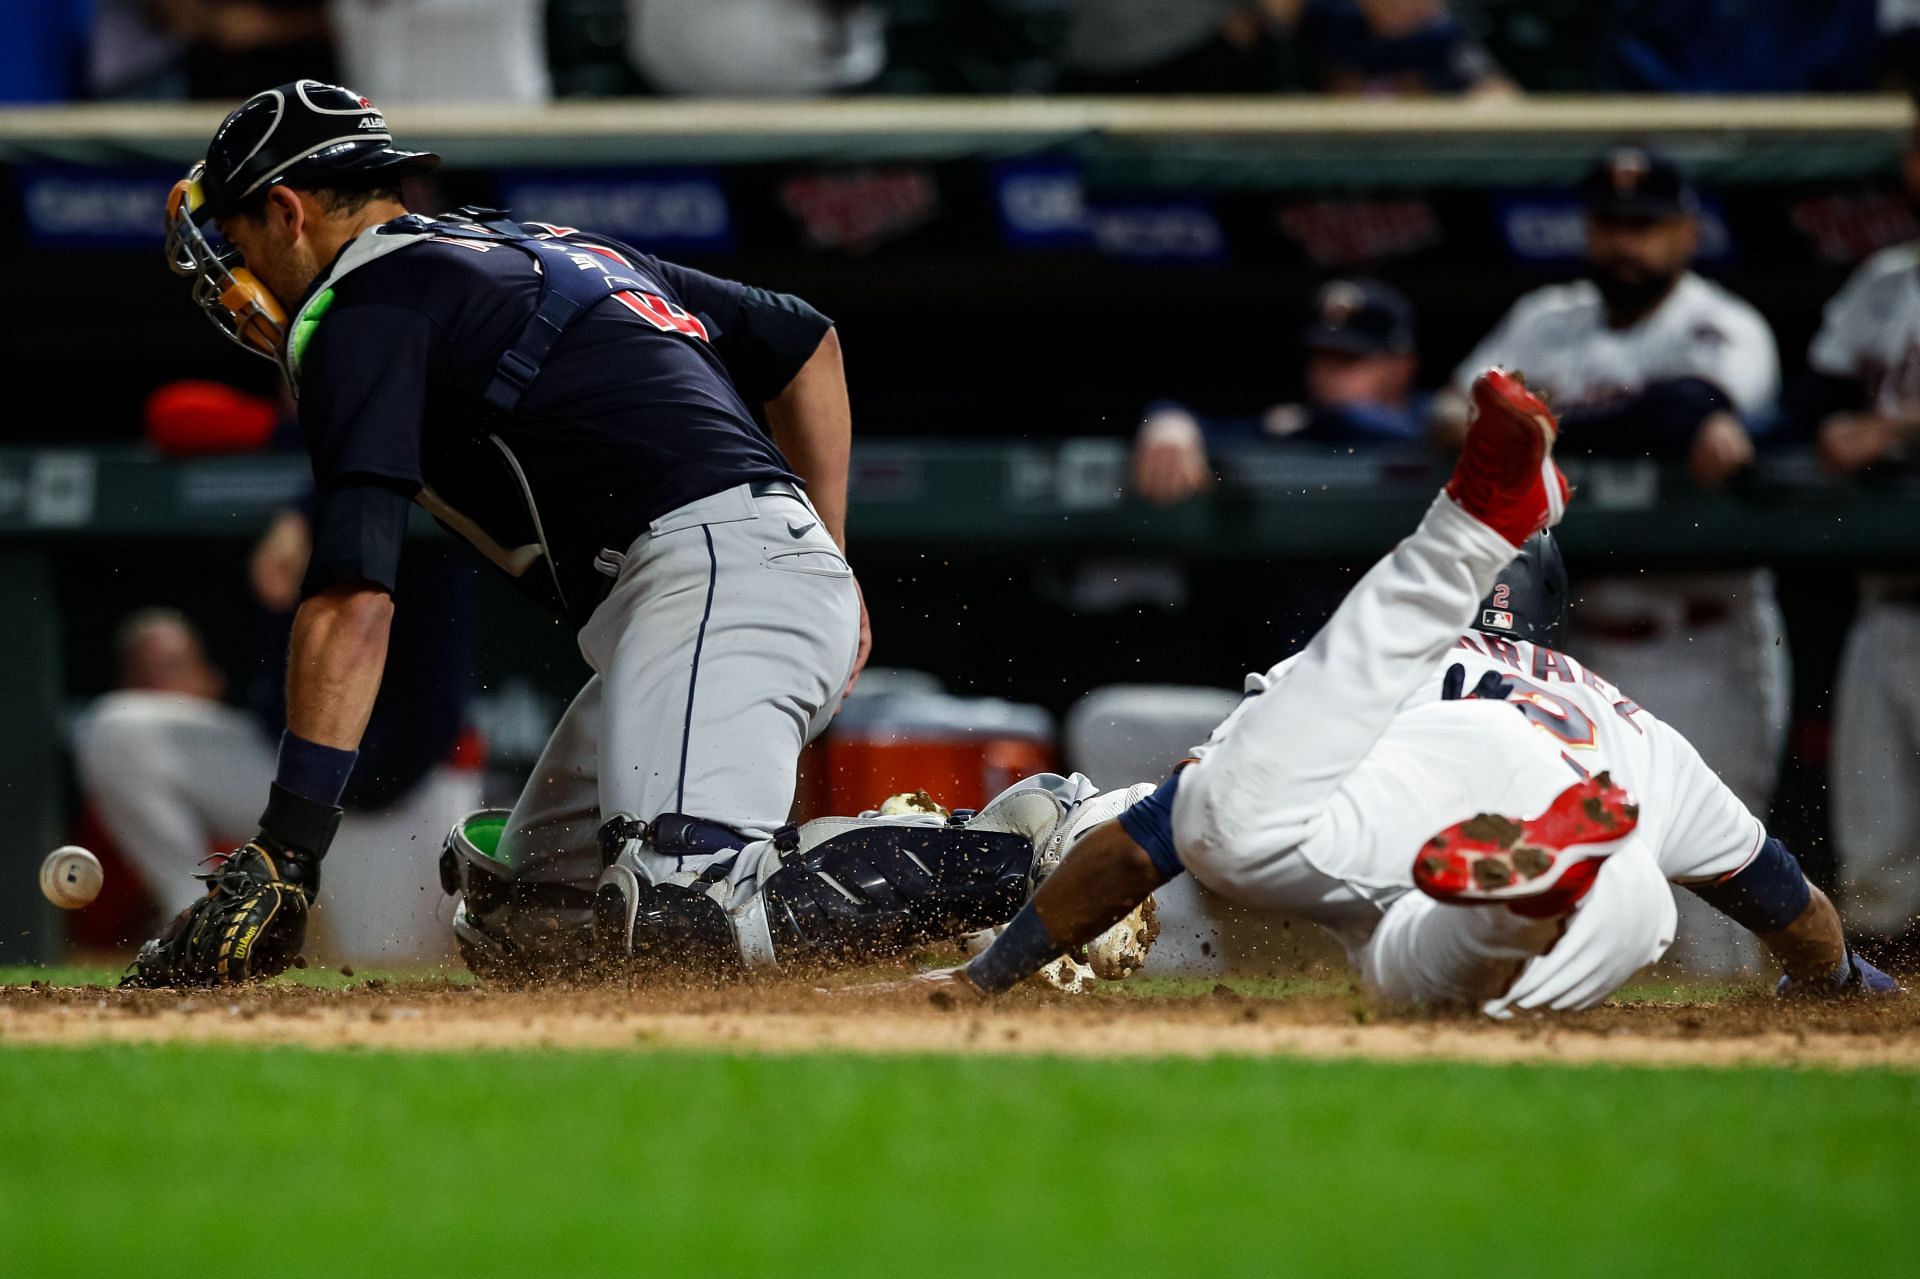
(1706, 650)
(1316, 794)
(1871, 332)
(173, 776)
(1559, 339)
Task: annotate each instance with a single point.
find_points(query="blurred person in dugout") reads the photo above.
(1863, 398)
(756, 48)
(397, 50)
(1361, 362)
(226, 47)
(1376, 48)
(173, 772)
(1360, 367)
(1754, 46)
(450, 51)
(1644, 358)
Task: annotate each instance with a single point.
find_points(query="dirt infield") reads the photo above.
(1752, 1030)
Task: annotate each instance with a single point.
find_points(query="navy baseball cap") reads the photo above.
(1637, 182)
(304, 132)
(1360, 317)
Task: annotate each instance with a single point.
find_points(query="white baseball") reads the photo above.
(71, 877)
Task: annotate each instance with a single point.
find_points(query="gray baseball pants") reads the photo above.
(721, 650)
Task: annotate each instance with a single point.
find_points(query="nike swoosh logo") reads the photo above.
(803, 530)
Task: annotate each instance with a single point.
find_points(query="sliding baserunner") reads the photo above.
(1540, 814)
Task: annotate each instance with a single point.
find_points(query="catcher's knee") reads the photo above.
(678, 924)
(508, 930)
(655, 928)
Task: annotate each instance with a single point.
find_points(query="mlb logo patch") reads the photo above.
(1496, 619)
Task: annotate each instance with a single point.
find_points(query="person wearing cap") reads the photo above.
(1647, 356)
(1360, 367)
(1646, 359)
(1860, 401)
(584, 415)
(171, 771)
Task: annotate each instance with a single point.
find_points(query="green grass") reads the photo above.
(58, 975)
(223, 1161)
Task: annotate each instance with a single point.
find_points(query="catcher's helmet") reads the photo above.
(1529, 598)
(301, 133)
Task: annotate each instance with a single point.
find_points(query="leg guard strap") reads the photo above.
(678, 835)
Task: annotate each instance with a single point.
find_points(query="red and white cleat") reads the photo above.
(1540, 868)
(1505, 476)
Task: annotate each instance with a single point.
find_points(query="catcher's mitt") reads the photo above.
(251, 924)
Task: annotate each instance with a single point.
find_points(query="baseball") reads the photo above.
(71, 877)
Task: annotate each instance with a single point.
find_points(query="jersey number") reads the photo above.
(1560, 718)
(662, 314)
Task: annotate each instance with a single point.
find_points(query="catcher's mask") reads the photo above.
(238, 304)
(303, 133)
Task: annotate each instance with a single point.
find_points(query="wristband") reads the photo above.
(296, 822)
(1149, 824)
(1017, 954)
(1767, 894)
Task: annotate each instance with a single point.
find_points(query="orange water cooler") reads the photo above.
(961, 750)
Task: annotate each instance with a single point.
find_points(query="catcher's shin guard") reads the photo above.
(881, 888)
(862, 888)
(846, 888)
(507, 930)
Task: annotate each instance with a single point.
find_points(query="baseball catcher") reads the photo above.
(584, 416)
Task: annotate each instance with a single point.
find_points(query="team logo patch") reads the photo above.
(1627, 169)
(1497, 619)
(1338, 303)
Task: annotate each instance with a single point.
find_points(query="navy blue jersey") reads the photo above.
(640, 407)
(1347, 55)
